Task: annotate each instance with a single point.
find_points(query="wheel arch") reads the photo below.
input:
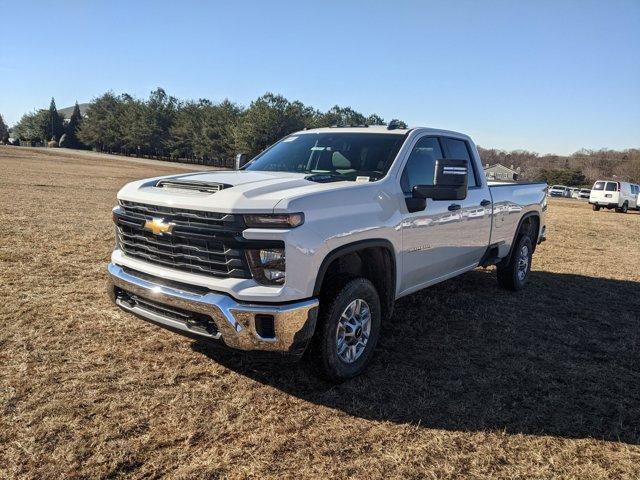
(529, 218)
(382, 275)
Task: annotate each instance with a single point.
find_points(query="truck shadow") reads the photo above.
(561, 358)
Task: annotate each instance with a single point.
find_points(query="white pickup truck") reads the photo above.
(307, 246)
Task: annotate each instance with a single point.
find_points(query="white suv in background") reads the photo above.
(619, 195)
(584, 193)
(559, 191)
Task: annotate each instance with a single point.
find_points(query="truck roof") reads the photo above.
(382, 129)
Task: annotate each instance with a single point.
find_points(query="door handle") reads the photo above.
(454, 206)
(484, 203)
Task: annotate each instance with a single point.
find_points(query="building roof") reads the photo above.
(67, 111)
(499, 165)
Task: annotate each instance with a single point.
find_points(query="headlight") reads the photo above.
(267, 265)
(285, 220)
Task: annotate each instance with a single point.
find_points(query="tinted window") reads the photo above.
(598, 186)
(421, 164)
(611, 187)
(457, 150)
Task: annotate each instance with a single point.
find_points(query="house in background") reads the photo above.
(65, 113)
(500, 173)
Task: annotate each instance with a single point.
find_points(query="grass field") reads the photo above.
(469, 380)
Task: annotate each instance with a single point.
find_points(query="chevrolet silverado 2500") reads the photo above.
(307, 247)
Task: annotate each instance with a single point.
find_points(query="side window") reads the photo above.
(457, 150)
(421, 164)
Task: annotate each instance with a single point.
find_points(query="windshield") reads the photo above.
(340, 156)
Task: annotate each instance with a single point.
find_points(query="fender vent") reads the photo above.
(205, 187)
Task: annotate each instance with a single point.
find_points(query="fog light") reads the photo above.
(267, 265)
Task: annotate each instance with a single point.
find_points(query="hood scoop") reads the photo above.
(193, 185)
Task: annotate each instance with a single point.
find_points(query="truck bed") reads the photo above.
(511, 201)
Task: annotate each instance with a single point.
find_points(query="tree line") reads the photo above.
(206, 132)
(581, 168)
(199, 131)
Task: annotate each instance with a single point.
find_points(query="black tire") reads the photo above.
(324, 349)
(624, 208)
(509, 270)
(596, 208)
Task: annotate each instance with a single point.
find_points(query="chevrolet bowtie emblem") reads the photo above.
(158, 227)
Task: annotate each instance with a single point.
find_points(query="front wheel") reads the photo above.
(347, 332)
(513, 275)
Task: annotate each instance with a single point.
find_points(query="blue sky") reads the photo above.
(549, 76)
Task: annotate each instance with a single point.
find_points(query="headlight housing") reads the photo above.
(267, 265)
(278, 220)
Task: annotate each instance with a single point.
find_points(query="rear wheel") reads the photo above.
(624, 208)
(596, 208)
(347, 332)
(513, 274)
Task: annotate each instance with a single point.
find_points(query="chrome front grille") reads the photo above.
(199, 242)
(180, 215)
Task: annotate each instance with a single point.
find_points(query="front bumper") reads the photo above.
(213, 316)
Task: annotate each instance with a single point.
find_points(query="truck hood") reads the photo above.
(241, 191)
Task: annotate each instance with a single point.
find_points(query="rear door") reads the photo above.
(612, 193)
(475, 210)
(635, 193)
(597, 194)
(447, 235)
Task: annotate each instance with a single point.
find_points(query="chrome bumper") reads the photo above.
(293, 324)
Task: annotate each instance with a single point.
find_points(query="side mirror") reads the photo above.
(450, 181)
(241, 160)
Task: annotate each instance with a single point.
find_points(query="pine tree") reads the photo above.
(55, 121)
(4, 130)
(73, 126)
(102, 128)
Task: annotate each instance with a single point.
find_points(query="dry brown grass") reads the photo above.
(469, 380)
